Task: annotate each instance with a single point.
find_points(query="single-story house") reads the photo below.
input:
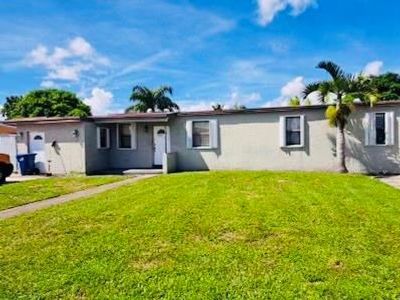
(275, 138)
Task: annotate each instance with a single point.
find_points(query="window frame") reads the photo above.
(213, 131)
(99, 128)
(209, 135)
(283, 131)
(370, 129)
(132, 128)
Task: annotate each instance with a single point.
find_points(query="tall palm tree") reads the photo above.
(145, 99)
(340, 91)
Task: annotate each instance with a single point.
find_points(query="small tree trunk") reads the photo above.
(340, 150)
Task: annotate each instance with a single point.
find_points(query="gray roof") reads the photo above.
(164, 116)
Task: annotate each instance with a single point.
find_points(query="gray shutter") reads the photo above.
(189, 137)
(282, 131)
(369, 129)
(302, 130)
(133, 136)
(98, 137)
(214, 134)
(168, 139)
(389, 121)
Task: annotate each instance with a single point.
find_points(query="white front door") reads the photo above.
(160, 144)
(37, 145)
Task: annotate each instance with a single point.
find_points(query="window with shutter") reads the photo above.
(379, 128)
(126, 136)
(201, 134)
(292, 131)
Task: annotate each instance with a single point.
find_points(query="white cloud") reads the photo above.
(80, 47)
(268, 9)
(247, 70)
(100, 101)
(279, 46)
(373, 68)
(243, 99)
(47, 84)
(196, 105)
(235, 97)
(66, 63)
(293, 88)
(68, 73)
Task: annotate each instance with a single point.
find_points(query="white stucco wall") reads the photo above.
(251, 142)
(70, 154)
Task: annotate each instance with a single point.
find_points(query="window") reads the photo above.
(103, 138)
(380, 129)
(201, 134)
(292, 131)
(126, 136)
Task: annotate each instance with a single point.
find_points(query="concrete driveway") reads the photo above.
(394, 180)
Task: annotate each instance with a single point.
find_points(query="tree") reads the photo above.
(238, 106)
(45, 103)
(341, 91)
(387, 85)
(217, 107)
(294, 101)
(9, 108)
(145, 99)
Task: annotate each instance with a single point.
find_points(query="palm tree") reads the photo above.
(294, 101)
(145, 99)
(217, 107)
(341, 91)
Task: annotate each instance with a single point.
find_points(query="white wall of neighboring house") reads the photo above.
(8, 146)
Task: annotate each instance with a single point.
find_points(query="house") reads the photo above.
(276, 138)
(8, 142)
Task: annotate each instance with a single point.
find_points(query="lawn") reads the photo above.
(211, 235)
(14, 194)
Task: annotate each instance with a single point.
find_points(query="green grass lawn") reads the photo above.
(14, 194)
(211, 235)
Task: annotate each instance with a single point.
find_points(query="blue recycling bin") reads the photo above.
(27, 163)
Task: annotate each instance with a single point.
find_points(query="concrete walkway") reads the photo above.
(30, 207)
(19, 178)
(394, 181)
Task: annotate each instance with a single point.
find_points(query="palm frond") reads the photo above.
(314, 87)
(333, 69)
(130, 108)
(310, 88)
(163, 90)
(325, 88)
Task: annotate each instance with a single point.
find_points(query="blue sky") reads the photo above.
(254, 52)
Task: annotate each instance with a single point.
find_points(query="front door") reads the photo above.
(160, 144)
(36, 145)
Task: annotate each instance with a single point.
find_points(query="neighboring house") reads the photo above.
(8, 142)
(280, 138)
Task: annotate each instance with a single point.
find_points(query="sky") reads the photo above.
(252, 52)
